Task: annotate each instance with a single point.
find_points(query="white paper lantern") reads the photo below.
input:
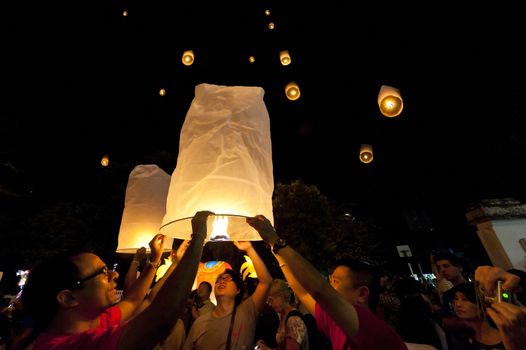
(144, 208)
(224, 164)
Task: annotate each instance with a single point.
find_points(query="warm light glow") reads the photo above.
(219, 171)
(105, 161)
(219, 229)
(366, 153)
(188, 57)
(284, 57)
(271, 25)
(144, 208)
(267, 12)
(390, 101)
(292, 91)
(125, 13)
(252, 59)
(162, 92)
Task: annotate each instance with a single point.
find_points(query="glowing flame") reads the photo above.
(219, 229)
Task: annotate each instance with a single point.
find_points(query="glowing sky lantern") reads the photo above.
(292, 91)
(284, 57)
(105, 161)
(252, 59)
(390, 101)
(188, 58)
(224, 164)
(144, 208)
(366, 153)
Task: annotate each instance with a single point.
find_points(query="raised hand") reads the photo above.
(511, 322)
(488, 276)
(140, 254)
(264, 228)
(199, 223)
(243, 245)
(180, 251)
(156, 246)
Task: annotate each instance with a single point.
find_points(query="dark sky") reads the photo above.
(80, 80)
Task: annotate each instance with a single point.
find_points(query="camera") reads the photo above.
(501, 296)
(484, 301)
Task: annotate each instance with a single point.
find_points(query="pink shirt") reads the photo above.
(104, 337)
(373, 333)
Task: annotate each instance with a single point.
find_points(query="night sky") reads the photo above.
(80, 80)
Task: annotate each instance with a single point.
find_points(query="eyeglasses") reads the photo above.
(103, 270)
(224, 278)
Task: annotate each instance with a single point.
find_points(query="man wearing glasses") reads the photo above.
(72, 299)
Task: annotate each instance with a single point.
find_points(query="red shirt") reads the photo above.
(104, 337)
(373, 333)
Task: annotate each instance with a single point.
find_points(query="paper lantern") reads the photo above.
(144, 208)
(105, 161)
(271, 25)
(292, 91)
(390, 101)
(366, 153)
(188, 57)
(267, 12)
(224, 164)
(252, 59)
(284, 57)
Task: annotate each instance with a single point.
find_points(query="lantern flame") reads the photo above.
(219, 229)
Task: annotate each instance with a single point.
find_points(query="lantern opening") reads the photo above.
(219, 229)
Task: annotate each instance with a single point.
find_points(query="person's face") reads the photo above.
(463, 307)
(341, 281)
(98, 286)
(225, 286)
(203, 291)
(276, 301)
(448, 270)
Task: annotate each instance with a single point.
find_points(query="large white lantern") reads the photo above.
(144, 208)
(224, 164)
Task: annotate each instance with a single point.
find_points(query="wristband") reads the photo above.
(152, 264)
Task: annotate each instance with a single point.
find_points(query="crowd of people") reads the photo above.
(72, 302)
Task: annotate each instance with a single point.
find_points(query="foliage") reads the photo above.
(321, 234)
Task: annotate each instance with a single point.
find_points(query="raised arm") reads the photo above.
(175, 257)
(264, 278)
(131, 274)
(153, 324)
(137, 291)
(303, 273)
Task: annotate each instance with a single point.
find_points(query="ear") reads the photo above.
(363, 295)
(67, 299)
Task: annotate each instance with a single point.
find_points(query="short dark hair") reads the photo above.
(364, 274)
(452, 258)
(44, 282)
(236, 278)
(468, 289)
(207, 284)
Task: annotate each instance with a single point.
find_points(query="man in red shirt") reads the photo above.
(72, 300)
(336, 306)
